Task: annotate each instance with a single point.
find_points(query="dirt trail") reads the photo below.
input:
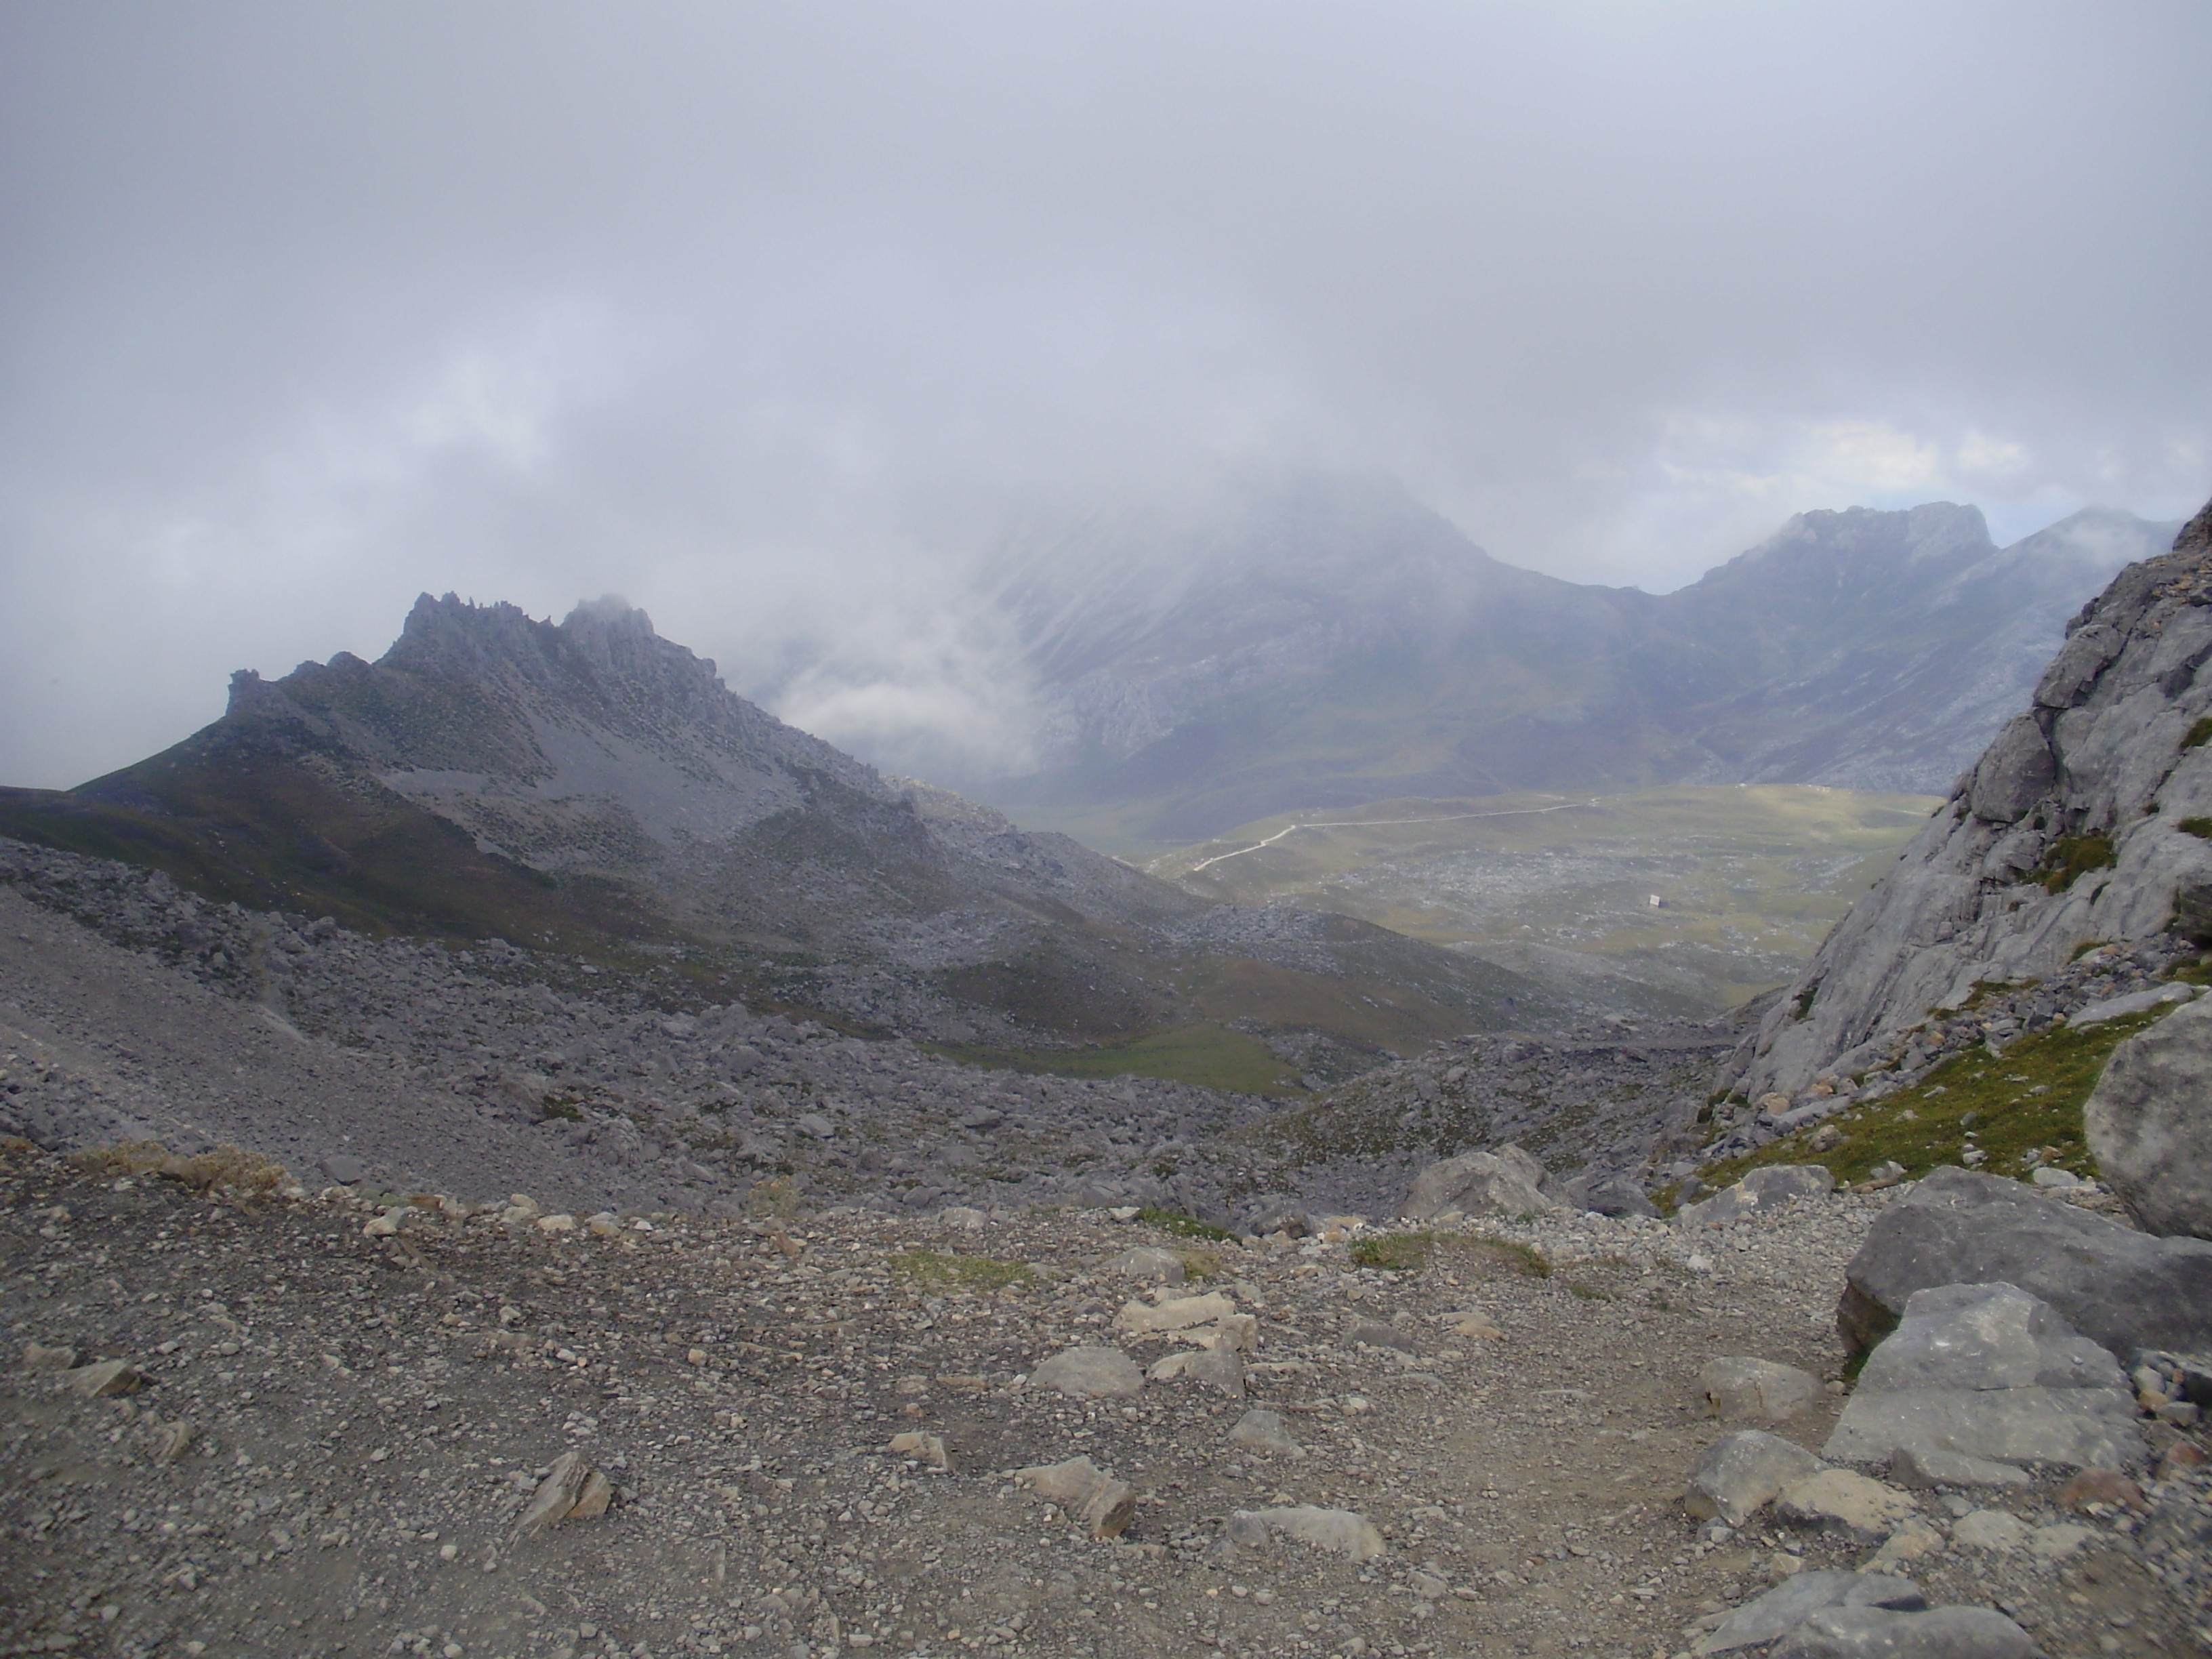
(369, 1414)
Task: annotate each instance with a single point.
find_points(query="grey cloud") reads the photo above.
(774, 318)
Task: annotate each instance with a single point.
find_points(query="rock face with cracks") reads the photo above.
(1988, 1373)
(2150, 1122)
(2068, 831)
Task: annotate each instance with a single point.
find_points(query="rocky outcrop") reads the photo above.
(1989, 1373)
(2150, 1122)
(2068, 831)
(2125, 1289)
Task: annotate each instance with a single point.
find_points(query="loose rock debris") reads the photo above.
(341, 1442)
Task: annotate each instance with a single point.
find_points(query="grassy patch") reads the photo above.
(1205, 1053)
(1590, 1292)
(1395, 1253)
(2074, 856)
(564, 1111)
(1202, 1264)
(1183, 1227)
(224, 1169)
(934, 1270)
(2028, 1100)
(2200, 827)
(2198, 733)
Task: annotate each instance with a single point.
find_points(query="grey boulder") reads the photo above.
(1991, 1373)
(2123, 1289)
(1506, 1181)
(1866, 1632)
(1761, 1191)
(2149, 1123)
(1787, 1606)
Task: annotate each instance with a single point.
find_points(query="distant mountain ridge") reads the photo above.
(590, 784)
(1332, 642)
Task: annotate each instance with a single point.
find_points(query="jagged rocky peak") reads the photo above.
(2079, 824)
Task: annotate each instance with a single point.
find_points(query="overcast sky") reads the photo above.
(769, 317)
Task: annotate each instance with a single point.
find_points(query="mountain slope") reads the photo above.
(1332, 642)
(592, 786)
(2082, 822)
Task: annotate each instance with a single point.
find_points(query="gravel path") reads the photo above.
(364, 1416)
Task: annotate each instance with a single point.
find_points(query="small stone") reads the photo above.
(965, 1217)
(1757, 1389)
(1104, 1505)
(2108, 1487)
(2181, 1456)
(37, 1357)
(2050, 1176)
(1220, 1367)
(815, 1124)
(591, 1501)
(1992, 1530)
(1474, 1323)
(571, 1490)
(521, 1207)
(556, 1224)
(387, 1225)
(1838, 1498)
(1149, 1264)
(106, 1379)
(605, 1224)
(927, 1449)
(176, 1440)
(1125, 1212)
(1915, 1539)
(1081, 1372)
(2182, 1413)
(2059, 1538)
(1376, 1335)
(1427, 1585)
(1265, 1431)
(1146, 1319)
(1742, 1472)
(344, 1169)
(1344, 1532)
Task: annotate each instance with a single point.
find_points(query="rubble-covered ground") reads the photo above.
(131, 1009)
(346, 1409)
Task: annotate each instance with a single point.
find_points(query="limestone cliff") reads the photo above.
(2085, 820)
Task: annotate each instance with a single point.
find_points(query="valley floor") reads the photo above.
(338, 1432)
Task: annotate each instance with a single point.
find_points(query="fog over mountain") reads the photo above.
(1326, 640)
(774, 318)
